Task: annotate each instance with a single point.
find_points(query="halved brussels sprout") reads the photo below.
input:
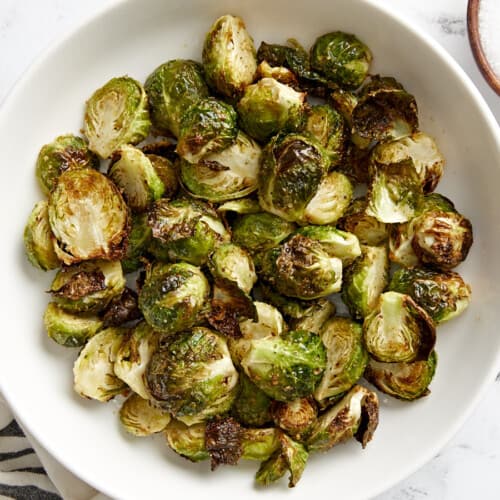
(134, 355)
(292, 169)
(394, 193)
(140, 418)
(229, 56)
(68, 329)
(365, 280)
(422, 150)
(268, 107)
(121, 309)
(252, 405)
(88, 217)
(173, 296)
(331, 200)
(398, 330)
(207, 126)
(66, 152)
(291, 456)
(313, 317)
(187, 441)
(329, 128)
(235, 264)
(193, 375)
(167, 172)
(407, 381)
(335, 242)
(135, 176)
(185, 230)
(385, 111)
(301, 268)
(346, 357)
(171, 89)
(368, 229)
(88, 286)
(296, 417)
(260, 231)
(355, 415)
(227, 174)
(442, 295)
(39, 240)
(138, 242)
(286, 367)
(341, 57)
(242, 206)
(344, 101)
(116, 114)
(93, 371)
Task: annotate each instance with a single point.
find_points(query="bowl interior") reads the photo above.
(133, 38)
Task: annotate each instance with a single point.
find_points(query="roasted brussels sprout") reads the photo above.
(223, 441)
(341, 57)
(344, 101)
(173, 296)
(301, 268)
(185, 230)
(296, 417)
(122, 309)
(68, 329)
(93, 371)
(365, 280)
(335, 242)
(39, 240)
(286, 367)
(407, 381)
(88, 286)
(260, 231)
(291, 456)
(171, 89)
(225, 175)
(138, 242)
(421, 149)
(229, 56)
(268, 107)
(355, 415)
(167, 172)
(207, 126)
(398, 330)
(242, 206)
(346, 357)
(193, 376)
(140, 418)
(313, 317)
(88, 217)
(134, 355)
(329, 128)
(187, 441)
(293, 167)
(279, 73)
(368, 229)
(259, 444)
(135, 176)
(235, 264)
(252, 405)
(442, 295)
(116, 114)
(66, 152)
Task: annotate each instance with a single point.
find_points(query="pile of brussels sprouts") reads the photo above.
(228, 198)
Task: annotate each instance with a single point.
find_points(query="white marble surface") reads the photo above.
(468, 467)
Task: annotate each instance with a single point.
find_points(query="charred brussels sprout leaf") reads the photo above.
(66, 152)
(223, 441)
(286, 367)
(398, 330)
(173, 296)
(187, 441)
(355, 415)
(268, 107)
(341, 57)
(207, 126)
(138, 242)
(193, 375)
(296, 417)
(365, 280)
(140, 418)
(252, 405)
(121, 309)
(443, 295)
(229, 56)
(116, 114)
(88, 217)
(407, 381)
(346, 357)
(171, 89)
(39, 240)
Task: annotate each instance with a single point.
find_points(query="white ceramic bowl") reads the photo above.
(133, 37)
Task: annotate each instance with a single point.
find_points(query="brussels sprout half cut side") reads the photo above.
(140, 418)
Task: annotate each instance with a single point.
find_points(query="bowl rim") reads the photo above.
(423, 37)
